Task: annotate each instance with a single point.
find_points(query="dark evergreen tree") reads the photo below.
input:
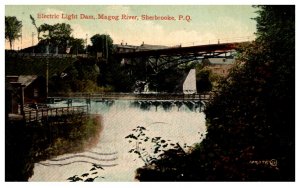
(251, 121)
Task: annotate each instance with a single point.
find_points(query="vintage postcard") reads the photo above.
(125, 93)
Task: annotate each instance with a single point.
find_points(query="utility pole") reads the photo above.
(106, 55)
(22, 30)
(47, 69)
(103, 47)
(32, 42)
(21, 34)
(86, 51)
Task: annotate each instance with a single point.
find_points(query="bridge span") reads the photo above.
(215, 49)
(158, 60)
(209, 49)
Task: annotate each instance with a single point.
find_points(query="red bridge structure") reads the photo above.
(156, 59)
(164, 58)
(201, 50)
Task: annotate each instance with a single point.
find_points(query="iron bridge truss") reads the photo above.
(162, 59)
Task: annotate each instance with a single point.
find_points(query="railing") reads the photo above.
(138, 96)
(38, 115)
(19, 54)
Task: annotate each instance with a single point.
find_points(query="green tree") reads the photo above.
(252, 118)
(77, 45)
(203, 81)
(102, 43)
(57, 35)
(12, 29)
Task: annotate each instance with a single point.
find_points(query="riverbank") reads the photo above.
(26, 144)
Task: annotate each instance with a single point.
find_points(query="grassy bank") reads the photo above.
(34, 142)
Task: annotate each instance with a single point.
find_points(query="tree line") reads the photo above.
(100, 74)
(251, 121)
(57, 38)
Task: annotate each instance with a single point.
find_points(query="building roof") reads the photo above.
(151, 47)
(125, 46)
(221, 61)
(25, 80)
(142, 47)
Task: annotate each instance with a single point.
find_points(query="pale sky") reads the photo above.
(207, 24)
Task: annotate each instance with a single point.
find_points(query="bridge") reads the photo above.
(160, 59)
(44, 55)
(209, 50)
(151, 61)
(212, 50)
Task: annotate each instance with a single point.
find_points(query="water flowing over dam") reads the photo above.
(174, 122)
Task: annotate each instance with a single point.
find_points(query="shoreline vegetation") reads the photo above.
(35, 142)
(251, 121)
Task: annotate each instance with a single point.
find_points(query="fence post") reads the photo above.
(42, 114)
(37, 115)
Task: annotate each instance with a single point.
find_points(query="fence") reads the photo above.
(137, 96)
(38, 115)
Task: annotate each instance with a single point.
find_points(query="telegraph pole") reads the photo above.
(106, 55)
(47, 69)
(22, 30)
(86, 50)
(32, 42)
(21, 34)
(106, 47)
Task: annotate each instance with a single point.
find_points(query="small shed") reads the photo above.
(34, 88)
(24, 89)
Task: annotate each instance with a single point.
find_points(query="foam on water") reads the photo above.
(182, 125)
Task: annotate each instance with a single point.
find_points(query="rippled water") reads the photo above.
(110, 160)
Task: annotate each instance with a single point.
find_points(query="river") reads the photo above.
(110, 159)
